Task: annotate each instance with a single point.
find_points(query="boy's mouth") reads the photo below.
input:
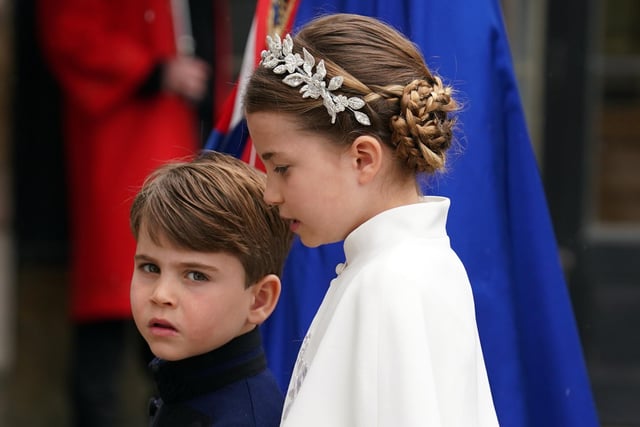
(161, 327)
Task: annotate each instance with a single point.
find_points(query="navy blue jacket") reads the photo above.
(229, 386)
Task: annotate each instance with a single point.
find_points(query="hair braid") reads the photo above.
(409, 108)
(422, 132)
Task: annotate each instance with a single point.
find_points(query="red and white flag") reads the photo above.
(230, 134)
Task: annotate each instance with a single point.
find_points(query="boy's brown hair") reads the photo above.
(214, 203)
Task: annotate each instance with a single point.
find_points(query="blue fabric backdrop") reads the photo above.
(499, 222)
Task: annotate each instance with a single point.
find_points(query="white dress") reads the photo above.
(395, 341)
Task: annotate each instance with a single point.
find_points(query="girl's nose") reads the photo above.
(272, 195)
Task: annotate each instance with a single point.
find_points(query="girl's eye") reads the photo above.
(281, 170)
(196, 276)
(150, 268)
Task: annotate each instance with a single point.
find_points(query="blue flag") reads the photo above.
(499, 222)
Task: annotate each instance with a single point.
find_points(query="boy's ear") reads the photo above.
(266, 293)
(366, 152)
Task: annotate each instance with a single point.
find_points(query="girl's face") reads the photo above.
(311, 180)
(187, 303)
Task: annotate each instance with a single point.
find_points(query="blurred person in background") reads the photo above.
(136, 83)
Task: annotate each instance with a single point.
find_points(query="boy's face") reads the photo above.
(187, 303)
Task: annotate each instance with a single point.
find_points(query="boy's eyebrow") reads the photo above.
(142, 257)
(198, 266)
(191, 265)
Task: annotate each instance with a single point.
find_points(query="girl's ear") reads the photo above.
(266, 293)
(366, 152)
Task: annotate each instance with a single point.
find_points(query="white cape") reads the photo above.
(395, 341)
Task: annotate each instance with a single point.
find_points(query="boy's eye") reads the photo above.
(196, 276)
(150, 268)
(280, 170)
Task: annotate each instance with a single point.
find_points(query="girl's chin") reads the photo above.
(314, 242)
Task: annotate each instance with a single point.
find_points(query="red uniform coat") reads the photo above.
(102, 51)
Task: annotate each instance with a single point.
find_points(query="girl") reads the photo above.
(347, 117)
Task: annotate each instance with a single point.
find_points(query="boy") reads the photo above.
(209, 252)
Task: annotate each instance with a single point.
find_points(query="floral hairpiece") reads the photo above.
(281, 59)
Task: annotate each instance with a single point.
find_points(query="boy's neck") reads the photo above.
(184, 379)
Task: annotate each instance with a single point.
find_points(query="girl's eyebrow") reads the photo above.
(268, 155)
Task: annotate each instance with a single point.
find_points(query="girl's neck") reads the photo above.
(393, 197)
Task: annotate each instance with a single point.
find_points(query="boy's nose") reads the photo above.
(162, 293)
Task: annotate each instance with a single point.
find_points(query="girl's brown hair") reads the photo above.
(214, 203)
(409, 107)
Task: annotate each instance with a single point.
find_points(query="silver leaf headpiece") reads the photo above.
(282, 60)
